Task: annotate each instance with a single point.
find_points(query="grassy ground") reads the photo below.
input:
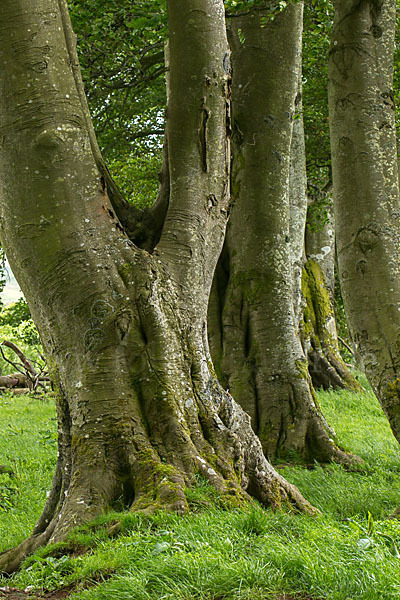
(28, 446)
(350, 552)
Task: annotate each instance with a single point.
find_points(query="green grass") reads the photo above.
(28, 446)
(350, 552)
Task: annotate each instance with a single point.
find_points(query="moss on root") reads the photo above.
(160, 486)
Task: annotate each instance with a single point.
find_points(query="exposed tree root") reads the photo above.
(215, 439)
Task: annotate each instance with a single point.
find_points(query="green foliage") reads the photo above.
(350, 551)
(318, 212)
(16, 325)
(27, 332)
(137, 177)
(318, 21)
(14, 314)
(121, 52)
(271, 8)
(120, 48)
(51, 570)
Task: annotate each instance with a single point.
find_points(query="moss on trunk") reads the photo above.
(319, 339)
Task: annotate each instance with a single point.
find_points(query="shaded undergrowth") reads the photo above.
(351, 551)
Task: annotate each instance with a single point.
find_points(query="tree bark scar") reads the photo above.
(205, 114)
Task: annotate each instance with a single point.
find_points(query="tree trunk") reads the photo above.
(298, 199)
(140, 411)
(318, 333)
(253, 330)
(320, 237)
(366, 190)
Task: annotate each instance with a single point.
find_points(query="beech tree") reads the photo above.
(318, 330)
(366, 188)
(140, 411)
(228, 353)
(327, 369)
(256, 303)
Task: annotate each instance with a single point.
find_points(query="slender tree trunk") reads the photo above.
(314, 276)
(320, 239)
(140, 411)
(253, 329)
(319, 335)
(298, 199)
(366, 189)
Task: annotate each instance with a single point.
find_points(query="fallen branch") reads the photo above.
(28, 366)
(26, 377)
(16, 390)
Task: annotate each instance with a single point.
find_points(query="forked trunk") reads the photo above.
(140, 411)
(253, 323)
(366, 189)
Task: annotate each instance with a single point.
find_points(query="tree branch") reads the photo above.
(125, 212)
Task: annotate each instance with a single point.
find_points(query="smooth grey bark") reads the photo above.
(318, 331)
(320, 243)
(253, 329)
(298, 199)
(140, 411)
(366, 189)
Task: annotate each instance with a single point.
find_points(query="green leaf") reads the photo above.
(161, 547)
(365, 543)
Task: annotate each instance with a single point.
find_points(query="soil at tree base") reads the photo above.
(16, 594)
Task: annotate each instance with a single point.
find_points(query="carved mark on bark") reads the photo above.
(123, 323)
(205, 115)
(94, 336)
(343, 55)
(33, 230)
(361, 266)
(211, 202)
(376, 8)
(367, 238)
(344, 103)
(345, 144)
(353, 6)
